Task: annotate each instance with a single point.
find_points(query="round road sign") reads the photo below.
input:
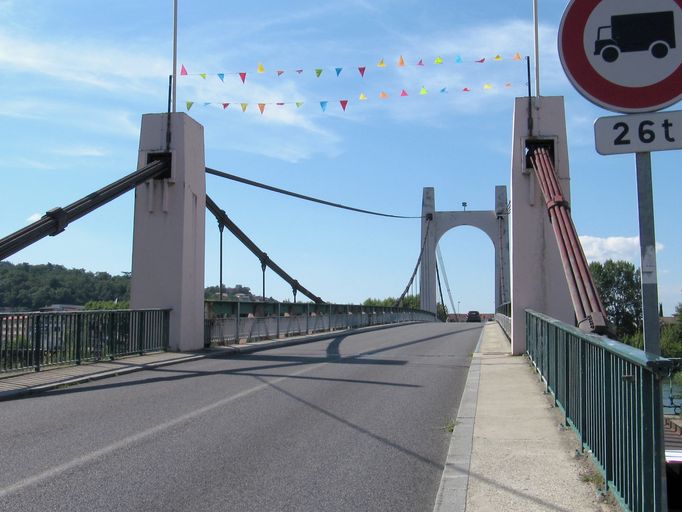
(624, 55)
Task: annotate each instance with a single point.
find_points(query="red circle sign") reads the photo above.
(624, 55)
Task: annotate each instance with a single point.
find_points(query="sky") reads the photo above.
(78, 74)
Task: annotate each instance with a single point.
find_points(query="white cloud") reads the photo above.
(80, 151)
(613, 247)
(34, 218)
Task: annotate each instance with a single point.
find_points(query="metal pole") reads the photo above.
(175, 52)
(263, 266)
(537, 48)
(647, 247)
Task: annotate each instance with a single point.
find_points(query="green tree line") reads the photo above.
(31, 287)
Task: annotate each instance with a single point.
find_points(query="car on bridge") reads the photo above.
(473, 316)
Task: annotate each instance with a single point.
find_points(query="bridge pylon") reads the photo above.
(435, 224)
(538, 281)
(169, 229)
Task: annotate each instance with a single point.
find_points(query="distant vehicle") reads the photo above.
(650, 31)
(473, 316)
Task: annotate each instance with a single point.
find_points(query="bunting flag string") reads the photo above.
(344, 103)
(381, 64)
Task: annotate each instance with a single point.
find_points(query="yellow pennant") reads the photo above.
(439, 60)
(487, 86)
(362, 96)
(203, 75)
(381, 64)
(261, 68)
(244, 105)
(423, 91)
(498, 57)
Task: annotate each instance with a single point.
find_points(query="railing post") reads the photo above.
(581, 397)
(140, 331)
(110, 333)
(79, 338)
(279, 312)
(37, 342)
(236, 334)
(307, 318)
(608, 422)
(166, 330)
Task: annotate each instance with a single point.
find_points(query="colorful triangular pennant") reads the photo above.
(221, 76)
(517, 56)
(244, 106)
(261, 107)
(189, 105)
(318, 72)
(323, 105)
(344, 104)
(403, 93)
(481, 61)
(338, 71)
(381, 64)
(421, 62)
(498, 57)
(458, 59)
(280, 72)
(261, 68)
(298, 104)
(401, 62)
(383, 95)
(225, 105)
(363, 96)
(203, 75)
(183, 71)
(361, 69)
(438, 60)
(243, 77)
(423, 91)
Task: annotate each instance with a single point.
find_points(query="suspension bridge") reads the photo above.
(546, 304)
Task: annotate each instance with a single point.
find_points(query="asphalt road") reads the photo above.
(351, 423)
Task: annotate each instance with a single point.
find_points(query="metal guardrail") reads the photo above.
(31, 341)
(503, 317)
(610, 394)
(230, 322)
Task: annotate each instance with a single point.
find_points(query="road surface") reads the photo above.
(352, 423)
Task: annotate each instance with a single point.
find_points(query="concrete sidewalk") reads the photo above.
(508, 450)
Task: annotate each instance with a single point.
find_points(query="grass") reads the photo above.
(593, 477)
(450, 425)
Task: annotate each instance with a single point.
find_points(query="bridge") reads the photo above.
(332, 406)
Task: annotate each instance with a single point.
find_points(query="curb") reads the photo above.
(452, 492)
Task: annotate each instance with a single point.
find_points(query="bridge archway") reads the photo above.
(494, 223)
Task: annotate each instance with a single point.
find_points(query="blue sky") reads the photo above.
(77, 75)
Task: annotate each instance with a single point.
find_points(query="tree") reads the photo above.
(618, 283)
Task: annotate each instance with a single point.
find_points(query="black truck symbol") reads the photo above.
(651, 31)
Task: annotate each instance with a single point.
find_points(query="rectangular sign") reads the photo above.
(638, 133)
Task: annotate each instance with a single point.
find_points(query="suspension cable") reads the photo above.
(445, 278)
(440, 290)
(301, 196)
(222, 218)
(416, 267)
(56, 220)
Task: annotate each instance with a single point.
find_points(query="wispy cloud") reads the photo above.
(80, 151)
(613, 247)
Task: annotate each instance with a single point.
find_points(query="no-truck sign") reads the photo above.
(624, 55)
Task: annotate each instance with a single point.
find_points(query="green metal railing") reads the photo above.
(503, 318)
(610, 394)
(31, 341)
(229, 322)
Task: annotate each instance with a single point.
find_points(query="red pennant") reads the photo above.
(404, 93)
(362, 70)
(420, 63)
(261, 107)
(466, 89)
(481, 61)
(183, 71)
(280, 73)
(344, 104)
(225, 105)
(243, 77)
